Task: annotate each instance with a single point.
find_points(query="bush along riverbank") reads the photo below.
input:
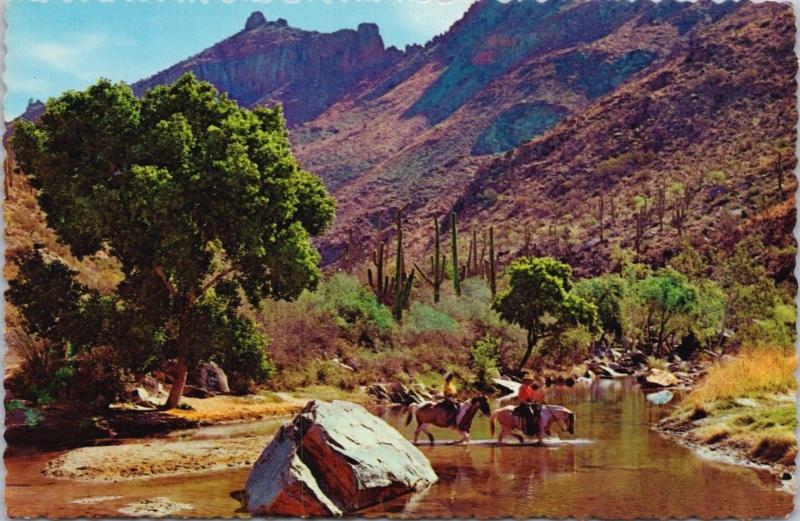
(743, 411)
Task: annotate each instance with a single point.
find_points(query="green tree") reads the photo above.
(540, 301)
(750, 293)
(606, 292)
(663, 299)
(200, 201)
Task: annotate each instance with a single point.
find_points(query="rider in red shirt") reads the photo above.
(529, 392)
(530, 398)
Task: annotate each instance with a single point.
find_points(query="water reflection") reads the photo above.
(615, 467)
(627, 471)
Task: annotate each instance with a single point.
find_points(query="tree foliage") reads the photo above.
(606, 292)
(539, 299)
(665, 306)
(200, 201)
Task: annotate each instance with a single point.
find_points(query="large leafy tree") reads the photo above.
(666, 305)
(607, 293)
(539, 299)
(201, 202)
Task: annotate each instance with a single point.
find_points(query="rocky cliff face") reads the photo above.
(271, 62)
(507, 75)
(524, 113)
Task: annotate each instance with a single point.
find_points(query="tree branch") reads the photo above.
(163, 276)
(216, 278)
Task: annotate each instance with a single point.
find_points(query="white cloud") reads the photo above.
(31, 85)
(83, 56)
(68, 56)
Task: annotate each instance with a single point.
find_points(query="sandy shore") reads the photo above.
(112, 463)
(226, 408)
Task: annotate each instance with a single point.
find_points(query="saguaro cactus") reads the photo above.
(437, 264)
(454, 245)
(492, 274)
(601, 214)
(661, 203)
(394, 292)
(402, 281)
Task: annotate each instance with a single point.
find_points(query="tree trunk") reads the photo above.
(179, 380)
(178, 383)
(528, 350)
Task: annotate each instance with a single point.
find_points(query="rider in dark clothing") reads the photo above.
(530, 398)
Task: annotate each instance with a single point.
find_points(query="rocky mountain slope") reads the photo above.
(524, 113)
(269, 62)
(634, 83)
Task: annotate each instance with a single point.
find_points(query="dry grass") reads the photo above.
(710, 434)
(751, 374)
(744, 402)
(221, 409)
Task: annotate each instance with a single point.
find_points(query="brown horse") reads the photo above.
(433, 413)
(550, 414)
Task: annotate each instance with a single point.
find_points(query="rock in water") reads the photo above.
(658, 378)
(334, 458)
(281, 484)
(660, 397)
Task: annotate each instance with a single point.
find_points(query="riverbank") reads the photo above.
(75, 424)
(113, 463)
(616, 449)
(743, 412)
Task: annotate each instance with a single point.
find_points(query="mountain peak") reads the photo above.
(256, 19)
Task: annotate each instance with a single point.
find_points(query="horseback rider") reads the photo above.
(529, 408)
(449, 392)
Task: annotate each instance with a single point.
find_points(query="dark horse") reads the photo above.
(440, 415)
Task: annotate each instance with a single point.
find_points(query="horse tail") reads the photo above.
(491, 424)
(411, 410)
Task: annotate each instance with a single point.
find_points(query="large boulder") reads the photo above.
(210, 377)
(281, 484)
(334, 458)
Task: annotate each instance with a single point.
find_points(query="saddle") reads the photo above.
(450, 406)
(529, 413)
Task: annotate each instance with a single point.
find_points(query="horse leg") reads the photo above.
(417, 431)
(464, 438)
(519, 437)
(424, 428)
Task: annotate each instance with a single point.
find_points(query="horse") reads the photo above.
(549, 414)
(433, 413)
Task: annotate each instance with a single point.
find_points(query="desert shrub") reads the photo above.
(353, 304)
(97, 375)
(777, 330)
(49, 372)
(422, 318)
(569, 346)
(299, 331)
(484, 360)
(716, 177)
(317, 372)
(43, 370)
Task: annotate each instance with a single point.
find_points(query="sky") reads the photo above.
(56, 45)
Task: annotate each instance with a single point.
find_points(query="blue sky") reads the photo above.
(55, 45)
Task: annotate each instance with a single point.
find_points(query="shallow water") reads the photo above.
(614, 466)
